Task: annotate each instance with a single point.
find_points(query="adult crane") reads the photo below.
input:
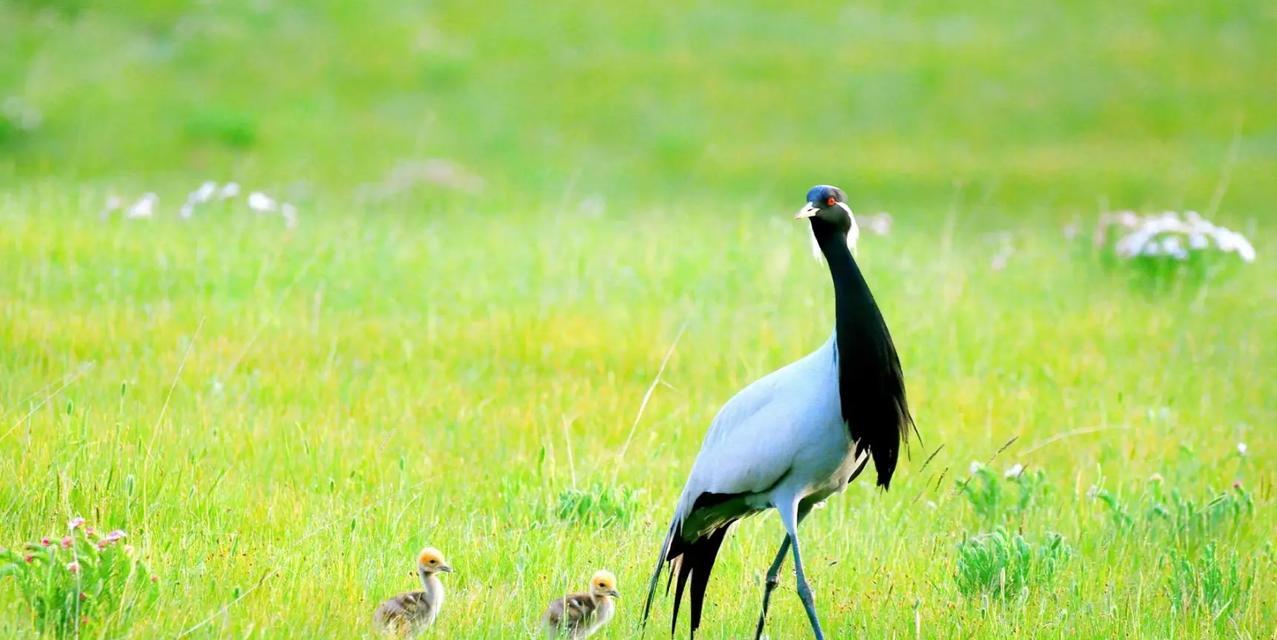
(796, 436)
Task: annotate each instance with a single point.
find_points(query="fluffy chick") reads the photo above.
(579, 615)
(408, 614)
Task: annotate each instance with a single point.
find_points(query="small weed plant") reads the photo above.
(1003, 565)
(996, 499)
(1206, 582)
(82, 580)
(1186, 520)
(599, 505)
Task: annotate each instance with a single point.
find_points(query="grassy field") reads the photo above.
(510, 216)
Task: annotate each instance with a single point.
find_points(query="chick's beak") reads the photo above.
(807, 211)
(445, 568)
(614, 593)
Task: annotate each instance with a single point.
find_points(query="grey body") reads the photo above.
(576, 616)
(778, 441)
(408, 614)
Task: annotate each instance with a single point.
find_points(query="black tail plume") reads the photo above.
(656, 574)
(694, 561)
(706, 552)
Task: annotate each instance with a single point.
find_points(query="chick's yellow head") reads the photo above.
(431, 559)
(604, 583)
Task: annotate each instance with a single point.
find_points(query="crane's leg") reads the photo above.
(773, 579)
(773, 574)
(789, 517)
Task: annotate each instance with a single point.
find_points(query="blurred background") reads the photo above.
(1020, 108)
(528, 249)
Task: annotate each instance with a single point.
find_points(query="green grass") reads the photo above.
(311, 407)
(281, 418)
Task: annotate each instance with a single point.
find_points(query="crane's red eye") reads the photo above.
(830, 202)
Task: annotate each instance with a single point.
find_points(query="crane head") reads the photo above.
(827, 205)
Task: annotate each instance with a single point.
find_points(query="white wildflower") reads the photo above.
(260, 202)
(1015, 471)
(204, 193)
(144, 207)
(229, 190)
(1171, 235)
(1173, 247)
(1156, 477)
(1244, 249)
(1241, 448)
(975, 467)
(931, 504)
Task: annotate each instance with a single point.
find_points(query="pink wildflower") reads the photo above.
(67, 542)
(28, 558)
(75, 523)
(45, 541)
(115, 536)
(73, 566)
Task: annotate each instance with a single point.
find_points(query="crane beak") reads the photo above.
(807, 211)
(614, 593)
(445, 568)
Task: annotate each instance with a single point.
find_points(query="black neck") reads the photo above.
(870, 382)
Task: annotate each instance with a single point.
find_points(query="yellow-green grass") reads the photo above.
(281, 419)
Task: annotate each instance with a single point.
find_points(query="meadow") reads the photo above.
(537, 248)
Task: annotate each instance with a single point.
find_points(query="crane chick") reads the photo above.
(579, 615)
(408, 614)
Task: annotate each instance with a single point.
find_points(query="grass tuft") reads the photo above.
(1006, 565)
(600, 505)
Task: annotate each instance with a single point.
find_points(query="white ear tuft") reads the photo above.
(853, 234)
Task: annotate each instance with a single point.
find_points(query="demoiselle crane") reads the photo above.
(796, 436)
(408, 614)
(578, 615)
